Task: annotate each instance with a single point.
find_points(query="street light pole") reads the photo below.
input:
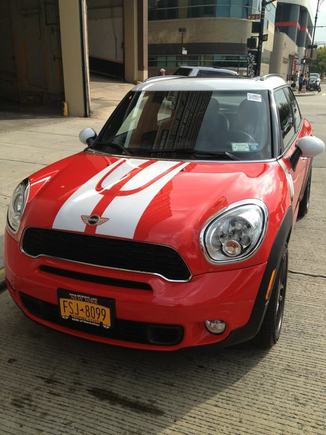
(314, 31)
(264, 3)
(260, 37)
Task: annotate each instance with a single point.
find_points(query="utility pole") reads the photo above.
(314, 31)
(264, 3)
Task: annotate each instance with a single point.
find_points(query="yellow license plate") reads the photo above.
(85, 311)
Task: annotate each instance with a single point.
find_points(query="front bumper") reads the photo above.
(157, 306)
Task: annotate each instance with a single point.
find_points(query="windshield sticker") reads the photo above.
(254, 97)
(240, 147)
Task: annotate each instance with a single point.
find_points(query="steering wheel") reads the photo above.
(241, 135)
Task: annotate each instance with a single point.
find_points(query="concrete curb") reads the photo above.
(2, 280)
(305, 94)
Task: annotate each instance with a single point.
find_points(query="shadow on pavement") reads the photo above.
(160, 387)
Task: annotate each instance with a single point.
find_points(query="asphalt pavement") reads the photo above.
(56, 384)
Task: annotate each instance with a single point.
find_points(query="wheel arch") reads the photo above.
(251, 329)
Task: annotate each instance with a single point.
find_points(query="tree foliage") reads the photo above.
(320, 63)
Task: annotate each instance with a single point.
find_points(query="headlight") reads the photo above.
(17, 204)
(235, 233)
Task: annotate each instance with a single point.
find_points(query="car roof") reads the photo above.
(180, 83)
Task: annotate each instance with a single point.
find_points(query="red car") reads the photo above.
(171, 228)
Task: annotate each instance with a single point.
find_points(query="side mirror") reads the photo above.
(87, 136)
(310, 146)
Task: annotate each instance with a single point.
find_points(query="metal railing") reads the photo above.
(231, 61)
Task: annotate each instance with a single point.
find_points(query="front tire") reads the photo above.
(272, 324)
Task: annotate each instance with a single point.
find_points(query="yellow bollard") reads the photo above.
(65, 109)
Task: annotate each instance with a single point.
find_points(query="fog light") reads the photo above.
(215, 326)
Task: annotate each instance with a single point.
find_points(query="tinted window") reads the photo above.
(286, 117)
(295, 108)
(183, 72)
(210, 73)
(193, 124)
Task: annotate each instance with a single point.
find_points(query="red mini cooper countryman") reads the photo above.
(171, 228)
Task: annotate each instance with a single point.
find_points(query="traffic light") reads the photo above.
(252, 43)
(256, 26)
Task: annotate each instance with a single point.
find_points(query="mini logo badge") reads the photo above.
(94, 220)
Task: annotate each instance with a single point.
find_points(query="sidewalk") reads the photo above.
(30, 141)
(305, 94)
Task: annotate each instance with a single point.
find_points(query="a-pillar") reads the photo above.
(73, 32)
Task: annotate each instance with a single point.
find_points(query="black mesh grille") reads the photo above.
(126, 330)
(95, 278)
(103, 251)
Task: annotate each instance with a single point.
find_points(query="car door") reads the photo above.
(292, 128)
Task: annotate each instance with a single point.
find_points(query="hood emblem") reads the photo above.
(93, 220)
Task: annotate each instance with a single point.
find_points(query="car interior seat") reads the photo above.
(250, 123)
(213, 133)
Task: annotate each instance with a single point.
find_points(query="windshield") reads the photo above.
(190, 124)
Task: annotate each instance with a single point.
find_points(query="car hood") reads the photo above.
(156, 201)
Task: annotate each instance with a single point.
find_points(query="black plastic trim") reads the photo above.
(114, 282)
(113, 253)
(251, 329)
(295, 157)
(125, 330)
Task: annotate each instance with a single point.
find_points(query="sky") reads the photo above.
(320, 32)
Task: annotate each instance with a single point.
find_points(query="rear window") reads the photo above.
(215, 73)
(183, 72)
(191, 124)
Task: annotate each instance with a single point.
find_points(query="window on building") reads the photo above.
(236, 9)
(163, 9)
(224, 8)
(201, 8)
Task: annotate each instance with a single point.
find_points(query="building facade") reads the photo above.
(44, 46)
(205, 32)
(295, 19)
(294, 27)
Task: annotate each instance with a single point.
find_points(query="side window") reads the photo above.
(295, 108)
(286, 117)
(207, 73)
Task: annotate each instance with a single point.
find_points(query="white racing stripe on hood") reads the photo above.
(125, 212)
(148, 174)
(122, 171)
(84, 200)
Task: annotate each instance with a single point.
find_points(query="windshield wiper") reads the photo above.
(191, 152)
(225, 154)
(114, 145)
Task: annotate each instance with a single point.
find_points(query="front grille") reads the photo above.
(126, 330)
(96, 278)
(107, 252)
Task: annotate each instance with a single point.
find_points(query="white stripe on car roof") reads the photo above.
(174, 83)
